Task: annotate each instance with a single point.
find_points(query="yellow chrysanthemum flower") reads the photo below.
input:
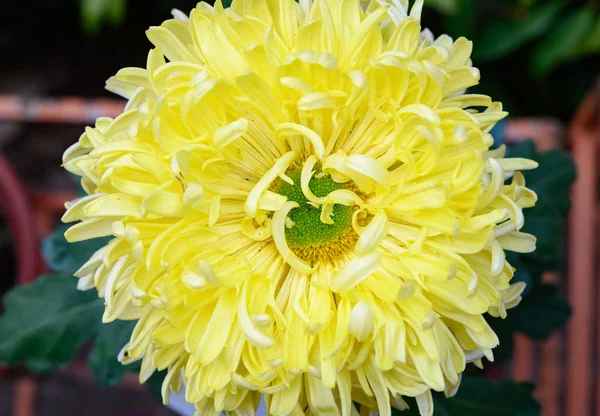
(303, 207)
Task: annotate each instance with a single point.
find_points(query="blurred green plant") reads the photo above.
(46, 323)
(504, 36)
(446, 7)
(556, 31)
(95, 13)
(528, 50)
(479, 396)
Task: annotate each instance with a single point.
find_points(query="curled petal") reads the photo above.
(75, 209)
(253, 335)
(270, 201)
(355, 271)
(326, 213)
(369, 167)
(497, 259)
(287, 254)
(292, 129)
(518, 242)
(305, 177)
(425, 400)
(256, 233)
(373, 234)
(361, 321)
(263, 184)
(231, 132)
(496, 182)
(517, 163)
(364, 170)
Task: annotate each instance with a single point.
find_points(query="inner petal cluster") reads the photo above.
(307, 235)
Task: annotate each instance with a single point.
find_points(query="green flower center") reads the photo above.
(309, 238)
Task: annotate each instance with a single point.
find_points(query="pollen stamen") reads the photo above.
(323, 229)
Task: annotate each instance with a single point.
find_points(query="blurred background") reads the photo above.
(541, 58)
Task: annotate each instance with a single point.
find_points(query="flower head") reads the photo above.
(303, 207)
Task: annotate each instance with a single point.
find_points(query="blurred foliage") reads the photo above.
(94, 13)
(46, 323)
(502, 37)
(64, 258)
(528, 51)
(107, 345)
(446, 7)
(541, 313)
(479, 396)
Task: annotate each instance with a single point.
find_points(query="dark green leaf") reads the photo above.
(479, 396)
(591, 44)
(447, 7)
(546, 223)
(116, 11)
(40, 367)
(96, 12)
(463, 23)
(66, 258)
(541, 313)
(91, 14)
(528, 271)
(562, 40)
(154, 384)
(537, 266)
(45, 323)
(505, 330)
(552, 180)
(503, 36)
(77, 180)
(103, 356)
(524, 149)
(555, 178)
